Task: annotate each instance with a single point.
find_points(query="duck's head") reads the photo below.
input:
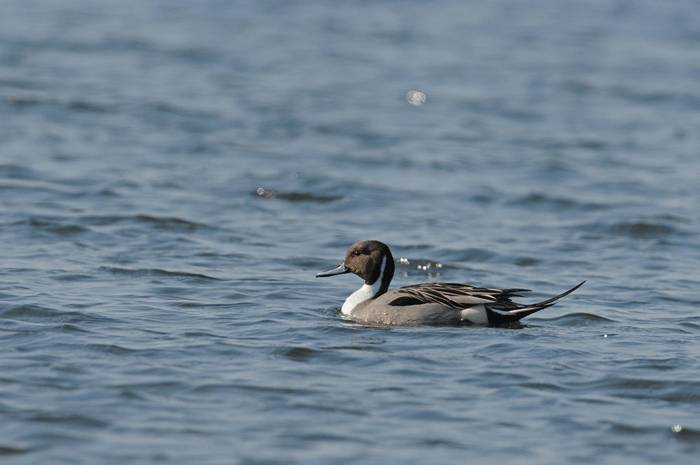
(370, 260)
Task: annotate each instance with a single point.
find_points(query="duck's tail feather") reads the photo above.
(502, 316)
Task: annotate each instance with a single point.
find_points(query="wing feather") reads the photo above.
(454, 295)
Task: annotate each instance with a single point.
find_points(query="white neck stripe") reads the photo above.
(377, 285)
(367, 291)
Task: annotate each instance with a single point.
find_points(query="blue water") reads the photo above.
(173, 175)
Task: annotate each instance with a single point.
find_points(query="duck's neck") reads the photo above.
(370, 291)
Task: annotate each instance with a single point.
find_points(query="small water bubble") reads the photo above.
(293, 176)
(676, 428)
(438, 265)
(415, 98)
(403, 261)
(262, 192)
(605, 335)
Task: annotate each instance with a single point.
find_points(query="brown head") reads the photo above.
(365, 259)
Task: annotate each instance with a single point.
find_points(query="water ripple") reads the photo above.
(642, 230)
(300, 354)
(31, 311)
(154, 272)
(294, 196)
(69, 420)
(579, 319)
(6, 449)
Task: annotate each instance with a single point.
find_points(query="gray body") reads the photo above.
(378, 312)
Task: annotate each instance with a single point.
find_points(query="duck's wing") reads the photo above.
(453, 295)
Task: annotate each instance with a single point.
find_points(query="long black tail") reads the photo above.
(501, 317)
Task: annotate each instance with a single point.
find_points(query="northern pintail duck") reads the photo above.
(423, 304)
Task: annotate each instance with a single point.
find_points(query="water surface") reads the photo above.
(174, 174)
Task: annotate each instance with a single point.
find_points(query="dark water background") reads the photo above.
(174, 173)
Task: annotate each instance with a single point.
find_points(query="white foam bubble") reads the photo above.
(415, 98)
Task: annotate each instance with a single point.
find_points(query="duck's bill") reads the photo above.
(340, 269)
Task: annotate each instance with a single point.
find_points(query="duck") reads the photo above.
(429, 304)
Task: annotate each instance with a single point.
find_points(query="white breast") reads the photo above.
(367, 291)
